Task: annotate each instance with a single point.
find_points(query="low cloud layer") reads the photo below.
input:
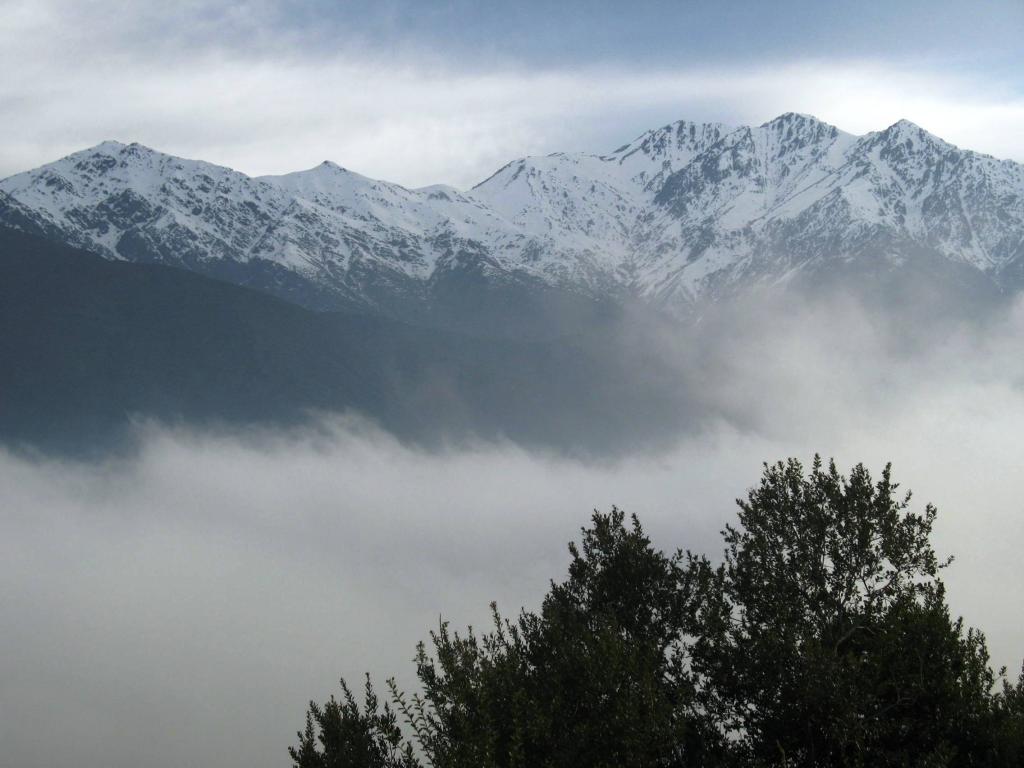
(179, 607)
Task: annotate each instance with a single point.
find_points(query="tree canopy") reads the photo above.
(821, 637)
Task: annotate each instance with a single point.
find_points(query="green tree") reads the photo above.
(823, 639)
(340, 735)
(1009, 725)
(596, 678)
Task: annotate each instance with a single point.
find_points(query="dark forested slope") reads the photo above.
(88, 345)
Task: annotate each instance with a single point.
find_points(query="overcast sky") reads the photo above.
(420, 92)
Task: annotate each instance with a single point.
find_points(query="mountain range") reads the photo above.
(683, 215)
(583, 303)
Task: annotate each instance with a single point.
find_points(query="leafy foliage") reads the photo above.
(824, 635)
(350, 738)
(1009, 725)
(821, 639)
(597, 677)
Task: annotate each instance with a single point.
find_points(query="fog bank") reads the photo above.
(179, 607)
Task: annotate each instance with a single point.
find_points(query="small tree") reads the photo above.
(596, 678)
(824, 637)
(339, 735)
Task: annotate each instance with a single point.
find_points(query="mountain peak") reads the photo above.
(112, 145)
(326, 168)
(118, 149)
(905, 132)
(108, 145)
(904, 128)
(680, 133)
(904, 124)
(326, 178)
(660, 151)
(790, 125)
(790, 118)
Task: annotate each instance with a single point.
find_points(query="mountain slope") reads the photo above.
(798, 195)
(682, 215)
(90, 344)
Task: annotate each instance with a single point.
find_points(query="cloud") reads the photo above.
(179, 607)
(241, 88)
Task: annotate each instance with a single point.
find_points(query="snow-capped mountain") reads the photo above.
(683, 213)
(796, 194)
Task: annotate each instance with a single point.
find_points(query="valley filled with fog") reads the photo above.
(183, 601)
